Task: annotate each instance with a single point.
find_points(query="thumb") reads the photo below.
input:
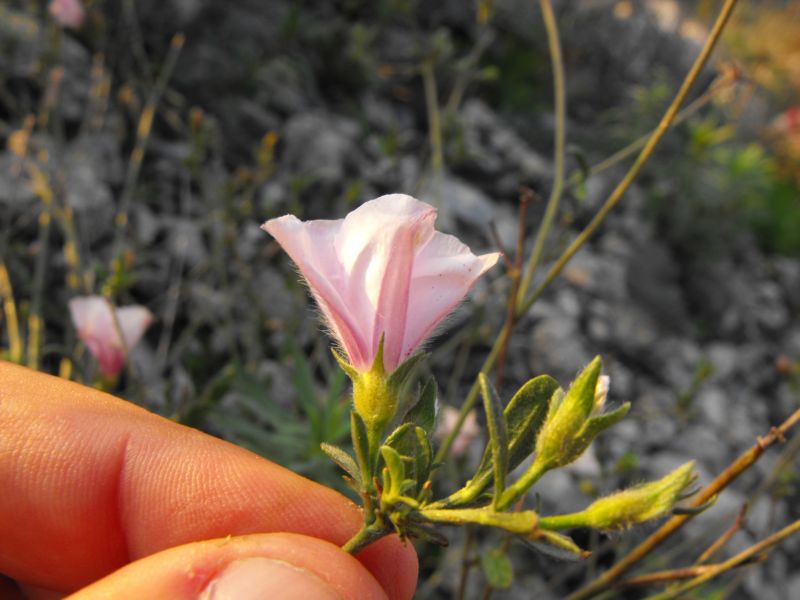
(275, 565)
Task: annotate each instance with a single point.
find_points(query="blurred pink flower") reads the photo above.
(68, 13)
(469, 430)
(94, 321)
(381, 271)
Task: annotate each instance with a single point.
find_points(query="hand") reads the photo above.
(101, 498)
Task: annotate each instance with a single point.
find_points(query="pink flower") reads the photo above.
(381, 271)
(68, 13)
(469, 430)
(94, 321)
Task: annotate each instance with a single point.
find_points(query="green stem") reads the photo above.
(365, 536)
(559, 522)
(521, 486)
(560, 142)
(434, 118)
(641, 160)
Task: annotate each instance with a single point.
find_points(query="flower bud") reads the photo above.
(574, 419)
(629, 507)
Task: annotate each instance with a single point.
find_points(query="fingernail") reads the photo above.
(255, 578)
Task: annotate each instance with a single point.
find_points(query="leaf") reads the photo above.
(556, 545)
(423, 413)
(424, 457)
(397, 471)
(498, 436)
(412, 444)
(359, 432)
(344, 460)
(401, 374)
(497, 568)
(525, 414)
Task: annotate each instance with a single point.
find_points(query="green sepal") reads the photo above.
(596, 425)
(498, 435)
(344, 460)
(497, 569)
(399, 377)
(556, 444)
(345, 364)
(580, 396)
(423, 413)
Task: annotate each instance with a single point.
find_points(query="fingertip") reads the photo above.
(280, 565)
(394, 564)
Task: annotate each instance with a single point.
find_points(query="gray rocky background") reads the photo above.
(695, 325)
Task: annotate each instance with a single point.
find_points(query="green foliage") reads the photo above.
(290, 436)
(497, 569)
(498, 435)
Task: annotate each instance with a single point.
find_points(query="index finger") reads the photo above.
(91, 483)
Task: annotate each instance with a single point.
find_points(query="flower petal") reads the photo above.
(377, 246)
(311, 246)
(93, 319)
(133, 321)
(444, 271)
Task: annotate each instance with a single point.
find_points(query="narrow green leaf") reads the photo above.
(344, 460)
(498, 435)
(556, 545)
(497, 569)
(423, 413)
(424, 457)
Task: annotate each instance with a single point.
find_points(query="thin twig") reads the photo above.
(655, 138)
(644, 155)
(724, 538)
(514, 273)
(434, 118)
(743, 557)
(143, 136)
(723, 480)
(559, 153)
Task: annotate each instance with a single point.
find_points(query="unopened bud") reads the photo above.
(640, 503)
